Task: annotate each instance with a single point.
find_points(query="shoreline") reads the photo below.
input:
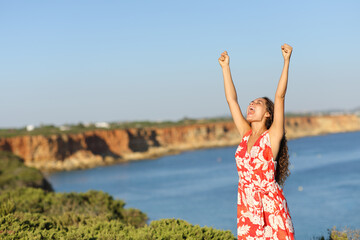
(156, 154)
(93, 148)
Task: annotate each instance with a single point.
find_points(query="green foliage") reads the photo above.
(344, 234)
(70, 207)
(37, 226)
(13, 173)
(7, 207)
(36, 214)
(32, 213)
(180, 229)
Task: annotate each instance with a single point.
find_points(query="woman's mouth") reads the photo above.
(251, 110)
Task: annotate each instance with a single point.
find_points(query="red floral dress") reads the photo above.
(262, 211)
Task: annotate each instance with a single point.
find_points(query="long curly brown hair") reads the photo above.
(282, 159)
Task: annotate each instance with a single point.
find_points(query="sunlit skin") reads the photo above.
(256, 112)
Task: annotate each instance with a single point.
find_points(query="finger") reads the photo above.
(287, 46)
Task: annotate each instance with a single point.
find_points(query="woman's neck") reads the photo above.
(257, 128)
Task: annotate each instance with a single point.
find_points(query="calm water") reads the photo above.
(200, 186)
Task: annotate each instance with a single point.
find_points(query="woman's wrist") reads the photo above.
(225, 68)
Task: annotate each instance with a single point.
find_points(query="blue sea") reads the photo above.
(200, 186)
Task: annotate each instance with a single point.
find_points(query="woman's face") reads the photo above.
(256, 110)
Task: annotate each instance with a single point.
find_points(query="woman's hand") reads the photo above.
(286, 51)
(224, 59)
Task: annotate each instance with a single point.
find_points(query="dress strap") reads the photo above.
(263, 134)
(247, 133)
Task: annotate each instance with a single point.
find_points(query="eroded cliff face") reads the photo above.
(101, 147)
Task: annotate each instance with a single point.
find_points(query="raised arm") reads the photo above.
(277, 128)
(231, 97)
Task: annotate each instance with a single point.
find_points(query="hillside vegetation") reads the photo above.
(13, 174)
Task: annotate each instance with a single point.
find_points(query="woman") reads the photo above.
(261, 160)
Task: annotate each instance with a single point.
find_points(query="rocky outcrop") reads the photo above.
(101, 147)
(311, 126)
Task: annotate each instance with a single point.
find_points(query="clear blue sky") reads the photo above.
(87, 61)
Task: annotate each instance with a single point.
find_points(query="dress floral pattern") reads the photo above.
(262, 211)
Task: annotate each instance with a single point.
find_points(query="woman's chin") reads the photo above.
(251, 119)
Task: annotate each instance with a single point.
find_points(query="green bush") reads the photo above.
(180, 229)
(70, 207)
(36, 214)
(344, 234)
(13, 174)
(37, 226)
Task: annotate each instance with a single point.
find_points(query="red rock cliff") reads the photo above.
(94, 148)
